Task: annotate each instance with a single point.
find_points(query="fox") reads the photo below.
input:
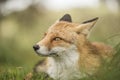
(68, 53)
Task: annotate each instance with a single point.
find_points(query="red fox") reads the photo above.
(69, 54)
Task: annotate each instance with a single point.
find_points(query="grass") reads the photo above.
(109, 71)
(20, 74)
(12, 74)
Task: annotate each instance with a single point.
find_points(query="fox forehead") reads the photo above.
(62, 26)
(62, 29)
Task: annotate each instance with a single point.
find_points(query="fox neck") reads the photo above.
(68, 57)
(89, 60)
(65, 65)
(86, 48)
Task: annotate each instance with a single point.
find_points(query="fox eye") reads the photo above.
(57, 39)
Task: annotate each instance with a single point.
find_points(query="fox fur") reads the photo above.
(69, 54)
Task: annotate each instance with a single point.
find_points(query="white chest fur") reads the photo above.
(64, 67)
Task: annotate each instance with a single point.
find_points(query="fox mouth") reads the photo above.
(47, 55)
(53, 54)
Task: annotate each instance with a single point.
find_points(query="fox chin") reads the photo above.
(69, 54)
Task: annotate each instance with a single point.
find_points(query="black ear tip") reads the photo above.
(66, 17)
(94, 19)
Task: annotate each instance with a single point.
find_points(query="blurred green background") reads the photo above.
(23, 22)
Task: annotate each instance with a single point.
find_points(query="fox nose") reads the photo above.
(36, 47)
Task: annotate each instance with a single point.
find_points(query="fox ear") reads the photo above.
(66, 17)
(86, 26)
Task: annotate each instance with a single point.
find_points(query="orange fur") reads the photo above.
(65, 34)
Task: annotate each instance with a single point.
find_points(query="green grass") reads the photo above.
(12, 74)
(109, 71)
(20, 74)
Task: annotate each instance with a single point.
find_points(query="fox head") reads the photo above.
(64, 36)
